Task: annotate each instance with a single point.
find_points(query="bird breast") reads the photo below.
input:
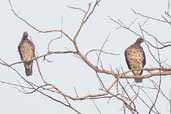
(135, 58)
(27, 52)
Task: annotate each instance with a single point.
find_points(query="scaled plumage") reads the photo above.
(27, 53)
(135, 58)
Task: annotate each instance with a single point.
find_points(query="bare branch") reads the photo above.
(75, 8)
(33, 27)
(148, 17)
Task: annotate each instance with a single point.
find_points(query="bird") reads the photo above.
(26, 51)
(135, 58)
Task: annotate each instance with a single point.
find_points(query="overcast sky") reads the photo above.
(68, 71)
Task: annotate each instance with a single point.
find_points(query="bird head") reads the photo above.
(139, 40)
(25, 35)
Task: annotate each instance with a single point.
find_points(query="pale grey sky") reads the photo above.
(68, 71)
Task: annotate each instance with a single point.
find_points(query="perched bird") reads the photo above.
(135, 58)
(26, 50)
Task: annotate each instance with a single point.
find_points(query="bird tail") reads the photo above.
(138, 80)
(28, 69)
(138, 74)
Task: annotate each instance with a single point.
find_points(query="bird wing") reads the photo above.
(127, 58)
